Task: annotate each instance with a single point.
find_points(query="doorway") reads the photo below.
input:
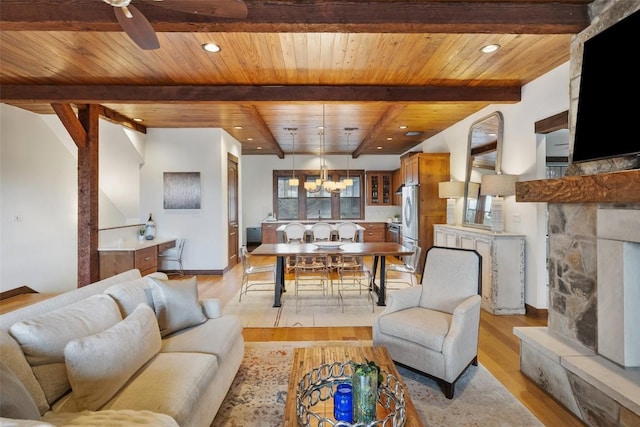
(232, 203)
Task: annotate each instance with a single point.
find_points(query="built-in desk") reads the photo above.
(125, 255)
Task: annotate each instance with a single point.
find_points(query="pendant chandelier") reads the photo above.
(323, 182)
(293, 181)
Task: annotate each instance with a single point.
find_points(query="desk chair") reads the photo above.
(248, 269)
(174, 255)
(433, 328)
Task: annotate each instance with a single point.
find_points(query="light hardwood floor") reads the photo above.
(499, 349)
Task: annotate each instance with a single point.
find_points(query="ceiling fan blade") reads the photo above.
(137, 28)
(218, 8)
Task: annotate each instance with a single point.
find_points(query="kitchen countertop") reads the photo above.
(134, 245)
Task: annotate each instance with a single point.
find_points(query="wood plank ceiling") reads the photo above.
(382, 67)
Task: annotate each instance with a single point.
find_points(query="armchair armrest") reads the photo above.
(402, 299)
(461, 343)
(211, 307)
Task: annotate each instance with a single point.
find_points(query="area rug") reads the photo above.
(308, 310)
(259, 391)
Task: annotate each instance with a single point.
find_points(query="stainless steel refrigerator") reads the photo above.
(410, 215)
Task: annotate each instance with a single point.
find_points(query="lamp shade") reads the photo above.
(450, 189)
(498, 185)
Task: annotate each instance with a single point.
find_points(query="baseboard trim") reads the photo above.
(537, 313)
(17, 291)
(194, 272)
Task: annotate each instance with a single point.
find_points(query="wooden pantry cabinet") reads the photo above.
(503, 264)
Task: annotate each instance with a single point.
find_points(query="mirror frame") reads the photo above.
(470, 159)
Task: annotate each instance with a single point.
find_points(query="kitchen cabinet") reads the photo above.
(503, 268)
(412, 170)
(380, 189)
(397, 181)
(374, 231)
(270, 232)
(431, 169)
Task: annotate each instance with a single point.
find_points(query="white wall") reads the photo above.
(39, 210)
(190, 150)
(524, 155)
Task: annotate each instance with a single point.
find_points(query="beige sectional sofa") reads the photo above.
(128, 350)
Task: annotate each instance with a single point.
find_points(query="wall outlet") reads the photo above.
(516, 217)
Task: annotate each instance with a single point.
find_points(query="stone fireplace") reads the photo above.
(588, 357)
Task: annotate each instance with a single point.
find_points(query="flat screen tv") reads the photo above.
(608, 115)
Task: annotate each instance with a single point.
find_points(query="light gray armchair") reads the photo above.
(433, 328)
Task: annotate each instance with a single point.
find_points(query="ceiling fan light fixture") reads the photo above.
(490, 48)
(211, 47)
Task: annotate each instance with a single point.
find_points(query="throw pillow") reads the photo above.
(15, 400)
(99, 365)
(176, 304)
(42, 338)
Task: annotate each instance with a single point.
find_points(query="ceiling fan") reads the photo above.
(140, 30)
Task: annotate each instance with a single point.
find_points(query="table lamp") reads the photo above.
(498, 186)
(451, 190)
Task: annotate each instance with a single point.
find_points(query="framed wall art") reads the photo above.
(181, 190)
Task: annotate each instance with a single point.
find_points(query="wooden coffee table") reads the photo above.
(307, 358)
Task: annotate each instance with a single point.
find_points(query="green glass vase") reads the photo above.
(364, 384)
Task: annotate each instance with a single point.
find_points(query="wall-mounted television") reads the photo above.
(608, 114)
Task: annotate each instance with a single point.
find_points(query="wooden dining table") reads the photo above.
(378, 250)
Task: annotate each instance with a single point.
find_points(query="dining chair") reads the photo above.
(174, 255)
(353, 276)
(311, 274)
(321, 231)
(294, 232)
(347, 231)
(397, 273)
(248, 270)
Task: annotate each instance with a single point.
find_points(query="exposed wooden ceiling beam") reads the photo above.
(438, 16)
(258, 122)
(371, 137)
(71, 123)
(92, 94)
(121, 119)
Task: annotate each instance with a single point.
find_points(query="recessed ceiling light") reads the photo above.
(389, 138)
(211, 47)
(413, 133)
(138, 119)
(403, 127)
(490, 48)
(237, 127)
(249, 139)
(379, 147)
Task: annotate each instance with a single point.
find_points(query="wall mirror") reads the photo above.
(483, 157)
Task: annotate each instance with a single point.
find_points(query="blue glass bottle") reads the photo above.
(343, 403)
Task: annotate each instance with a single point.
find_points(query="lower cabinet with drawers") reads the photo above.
(503, 264)
(145, 258)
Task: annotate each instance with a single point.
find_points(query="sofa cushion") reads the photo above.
(171, 384)
(15, 400)
(215, 336)
(14, 359)
(403, 324)
(176, 304)
(44, 337)
(99, 365)
(129, 295)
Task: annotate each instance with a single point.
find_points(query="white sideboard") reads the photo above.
(502, 264)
